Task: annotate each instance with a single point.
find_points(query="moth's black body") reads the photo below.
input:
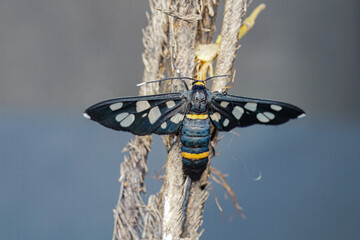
(190, 115)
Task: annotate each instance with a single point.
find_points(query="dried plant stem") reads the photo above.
(132, 170)
(184, 24)
(129, 215)
(174, 195)
(207, 24)
(198, 191)
(184, 35)
(198, 194)
(234, 10)
(233, 13)
(183, 44)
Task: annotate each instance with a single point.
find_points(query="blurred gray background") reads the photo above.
(58, 172)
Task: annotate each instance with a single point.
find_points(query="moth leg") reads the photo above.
(213, 135)
(174, 140)
(212, 149)
(212, 138)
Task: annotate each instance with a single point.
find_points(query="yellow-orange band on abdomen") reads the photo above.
(197, 116)
(195, 155)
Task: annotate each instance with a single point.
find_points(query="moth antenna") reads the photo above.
(233, 73)
(164, 79)
(217, 76)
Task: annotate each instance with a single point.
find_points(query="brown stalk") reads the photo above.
(174, 30)
(129, 215)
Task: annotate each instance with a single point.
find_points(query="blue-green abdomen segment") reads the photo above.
(195, 138)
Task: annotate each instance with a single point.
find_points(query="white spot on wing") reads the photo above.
(251, 106)
(269, 115)
(128, 120)
(275, 107)
(177, 118)
(116, 106)
(301, 115)
(154, 114)
(163, 125)
(224, 104)
(261, 117)
(142, 105)
(121, 116)
(170, 104)
(215, 116)
(144, 115)
(86, 116)
(226, 122)
(238, 112)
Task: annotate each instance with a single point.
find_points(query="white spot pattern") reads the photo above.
(238, 112)
(86, 116)
(142, 105)
(170, 104)
(177, 118)
(226, 122)
(154, 114)
(301, 115)
(275, 107)
(121, 116)
(116, 106)
(262, 118)
(215, 116)
(224, 104)
(251, 106)
(144, 115)
(163, 125)
(128, 120)
(269, 115)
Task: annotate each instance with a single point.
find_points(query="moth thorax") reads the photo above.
(198, 103)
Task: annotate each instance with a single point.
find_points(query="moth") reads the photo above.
(190, 115)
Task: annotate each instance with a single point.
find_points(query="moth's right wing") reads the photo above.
(228, 112)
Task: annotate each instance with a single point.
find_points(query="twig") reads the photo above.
(222, 182)
(233, 12)
(207, 24)
(170, 38)
(183, 52)
(128, 216)
(198, 192)
(132, 170)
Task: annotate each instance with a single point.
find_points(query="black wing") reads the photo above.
(228, 112)
(143, 115)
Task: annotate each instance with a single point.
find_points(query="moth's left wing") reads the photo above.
(142, 115)
(228, 112)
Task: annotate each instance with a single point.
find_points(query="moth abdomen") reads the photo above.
(195, 138)
(194, 168)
